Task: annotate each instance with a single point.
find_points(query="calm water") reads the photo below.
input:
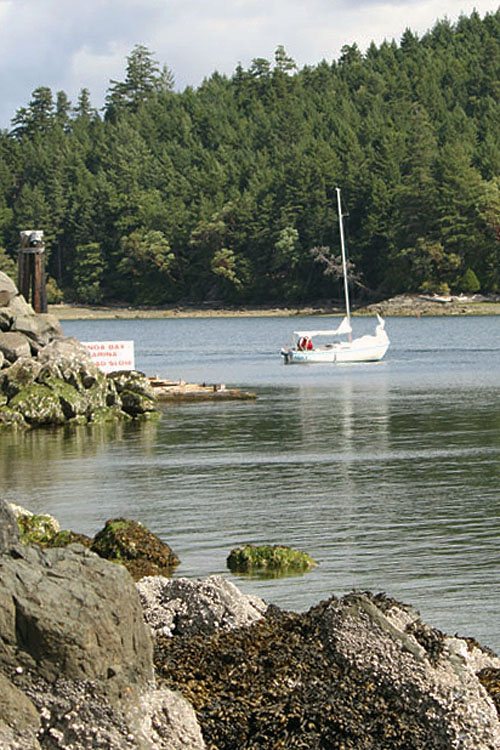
(386, 473)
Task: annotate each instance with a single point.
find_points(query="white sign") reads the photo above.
(110, 356)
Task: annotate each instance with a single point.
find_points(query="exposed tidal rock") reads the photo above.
(358, 673)
(8, 290)
(47, 379)
(169, 722)
(76, 663)
(35, 528)
(63, 385)
(68, 609)
(185, 607)
(17, 316)
(269, 559)
(134, 546)
(75, 715)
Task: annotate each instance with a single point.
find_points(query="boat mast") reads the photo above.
(344, 261)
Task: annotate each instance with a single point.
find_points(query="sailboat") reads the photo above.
(368, 348)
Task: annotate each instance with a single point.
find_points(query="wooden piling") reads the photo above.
(31, 269)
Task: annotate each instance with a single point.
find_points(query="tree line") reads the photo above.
(226, 192)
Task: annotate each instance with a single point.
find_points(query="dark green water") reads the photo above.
(387, 474)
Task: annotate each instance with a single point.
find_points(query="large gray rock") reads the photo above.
(76, 667)
(23, 372)
(71, 614)
(429, 673)
(180, 606)
(14, 345)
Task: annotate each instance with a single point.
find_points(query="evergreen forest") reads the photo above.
(225, 193)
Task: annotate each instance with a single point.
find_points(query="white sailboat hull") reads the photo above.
(364, 349)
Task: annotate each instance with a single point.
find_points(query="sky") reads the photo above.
(73, 44)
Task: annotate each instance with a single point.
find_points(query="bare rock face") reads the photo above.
(76, 669)
(67, 610)
(14, 345)
(186, 607)
(17, 315)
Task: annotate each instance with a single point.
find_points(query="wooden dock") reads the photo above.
(179, 390)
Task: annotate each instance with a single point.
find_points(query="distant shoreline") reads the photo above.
(403, 305)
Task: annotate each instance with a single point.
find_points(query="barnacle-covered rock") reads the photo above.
(180, 606)
(360, 672)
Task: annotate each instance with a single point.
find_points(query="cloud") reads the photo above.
(70, 46)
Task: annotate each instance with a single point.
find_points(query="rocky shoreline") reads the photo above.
(47, 379)
(88, 659)
(402, 305)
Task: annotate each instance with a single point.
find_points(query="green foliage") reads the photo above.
(88, 273)
(54, 293)
(286, 250)
(221, 192)
(7, 265)
(469, 283)
(146, 266)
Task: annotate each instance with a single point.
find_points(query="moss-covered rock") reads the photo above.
(137, 404)
(65, 537)
(269, 559)
(10, 419)
(38, 405)
(73, 402)
(39, 529)
(131, 544)
(103, 414)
